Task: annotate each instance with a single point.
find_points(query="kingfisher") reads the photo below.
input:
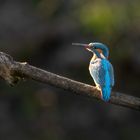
(101, 70)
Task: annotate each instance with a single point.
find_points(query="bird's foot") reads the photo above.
(98, 88)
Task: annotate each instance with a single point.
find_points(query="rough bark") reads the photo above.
(13, 71)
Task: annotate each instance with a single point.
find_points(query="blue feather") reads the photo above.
(101, 72)
(105, 91)
(101, 69)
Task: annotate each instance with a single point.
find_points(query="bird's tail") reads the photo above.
(106, 92)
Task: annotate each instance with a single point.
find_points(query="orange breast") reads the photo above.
(100, 51)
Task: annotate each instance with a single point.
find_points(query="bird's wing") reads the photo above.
(111, 73)
(102, 72)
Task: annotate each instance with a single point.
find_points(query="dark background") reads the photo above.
(41, 32)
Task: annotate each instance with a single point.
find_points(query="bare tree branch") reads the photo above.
(13, 71)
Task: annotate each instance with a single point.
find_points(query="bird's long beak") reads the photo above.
(84, 45)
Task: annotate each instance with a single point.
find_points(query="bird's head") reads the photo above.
(101, 48)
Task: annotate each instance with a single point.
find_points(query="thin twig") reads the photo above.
(13, 71)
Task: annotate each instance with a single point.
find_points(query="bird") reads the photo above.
(101, 70)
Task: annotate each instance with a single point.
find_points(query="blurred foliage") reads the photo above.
(106, 18)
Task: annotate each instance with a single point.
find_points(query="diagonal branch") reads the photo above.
(13, 71)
